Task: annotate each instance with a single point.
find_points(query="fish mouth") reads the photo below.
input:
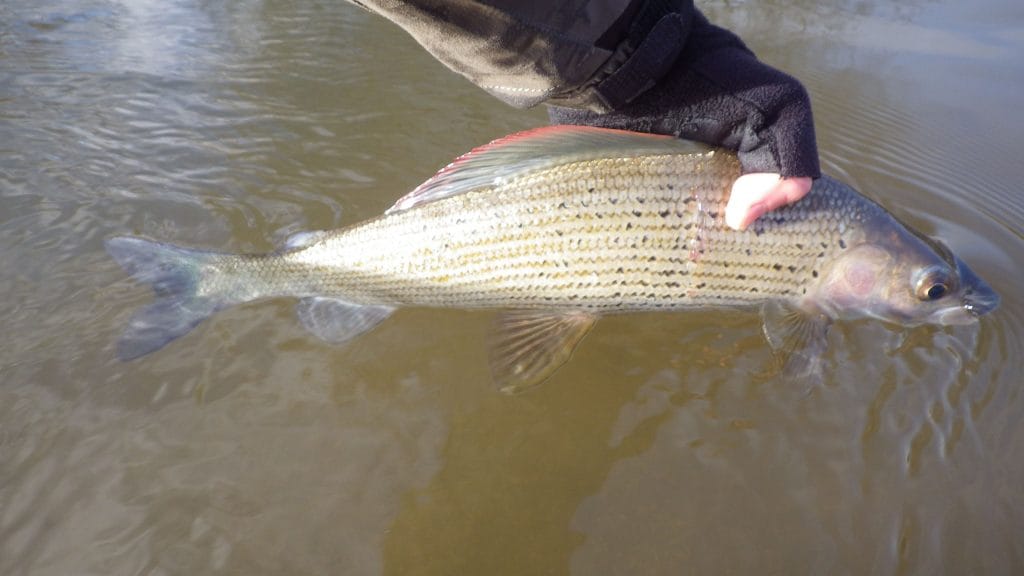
(978, 297)
(973, 304)
(978, 305)
(955, 316)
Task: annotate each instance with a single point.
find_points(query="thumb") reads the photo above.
(754, 194)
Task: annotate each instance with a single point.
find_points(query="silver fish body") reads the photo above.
(564, 224)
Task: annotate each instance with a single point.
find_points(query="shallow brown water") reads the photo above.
(666, 446)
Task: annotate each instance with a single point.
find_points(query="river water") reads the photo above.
(666, 446)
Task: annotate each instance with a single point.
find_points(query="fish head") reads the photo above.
(901, 276)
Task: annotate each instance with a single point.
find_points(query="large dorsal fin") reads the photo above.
(531, 149)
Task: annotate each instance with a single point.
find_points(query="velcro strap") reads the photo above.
(648, 63)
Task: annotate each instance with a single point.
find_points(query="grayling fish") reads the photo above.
(561, 225)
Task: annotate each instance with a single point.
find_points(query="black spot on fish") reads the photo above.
(821, 254)
(629, 225)
(753, 289)
(613, 200)
(814, 273)
(562, 206)
(758, 231)
(672, 284)
(748, 251)
(741, 276)
(591, 190)
(777, 267)
(559, 232)
(842, 243)
(664, 213)
(637, 213)
(652, 258)
(799, 246)
(641, 200)
(701, 285)
(824, 245)
(688, 226)
(713, 214)
(671, 187)
(791, 268)
(619, 270)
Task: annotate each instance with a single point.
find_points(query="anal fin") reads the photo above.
(337, 321)
(528, 346)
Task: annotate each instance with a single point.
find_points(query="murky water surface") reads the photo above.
(664, 447)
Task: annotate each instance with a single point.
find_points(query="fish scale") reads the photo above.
(615, 234)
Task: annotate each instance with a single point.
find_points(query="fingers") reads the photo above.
(754, 194)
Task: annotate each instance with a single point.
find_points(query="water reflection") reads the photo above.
(667, 444)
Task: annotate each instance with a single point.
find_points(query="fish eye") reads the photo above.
(936, 291)
(933, 284)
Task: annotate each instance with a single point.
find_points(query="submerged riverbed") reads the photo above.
(667, 445)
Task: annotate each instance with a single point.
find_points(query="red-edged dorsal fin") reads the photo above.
(521, 152)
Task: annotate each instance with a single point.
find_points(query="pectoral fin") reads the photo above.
(527, 346)
(304, 239)
(337, 321)
(798, 336)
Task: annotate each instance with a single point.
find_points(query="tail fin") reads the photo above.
(173, 273)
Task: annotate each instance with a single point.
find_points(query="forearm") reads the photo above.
(595, 55)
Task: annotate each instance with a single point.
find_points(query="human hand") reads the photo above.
(754, 194)
(717, 92)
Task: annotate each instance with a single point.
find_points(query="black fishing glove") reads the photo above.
(714, 91)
